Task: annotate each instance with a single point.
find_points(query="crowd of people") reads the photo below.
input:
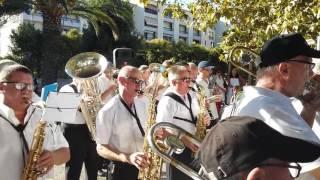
(265, 136)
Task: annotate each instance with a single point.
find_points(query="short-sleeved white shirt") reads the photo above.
(79, 119)
(118, 128)
(168, 108)
(276, 110)
(11, 157)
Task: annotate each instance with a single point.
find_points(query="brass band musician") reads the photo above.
(179, 106)
(18, 119)
(121, 127)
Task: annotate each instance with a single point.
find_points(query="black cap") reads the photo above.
(241, 143)
(284, 47)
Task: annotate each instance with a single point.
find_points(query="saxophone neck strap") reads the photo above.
(181, 101)
(133, 114)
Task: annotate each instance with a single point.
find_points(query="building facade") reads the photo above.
(35, 18)
(151, 24)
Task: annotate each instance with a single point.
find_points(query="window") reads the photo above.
(196, 41)
(196, 32)
(148, 35)
(168, 37)
(151, 22)
(183, 29)
(152, 9)
(167, 26)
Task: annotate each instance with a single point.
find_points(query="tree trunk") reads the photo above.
(50, 49)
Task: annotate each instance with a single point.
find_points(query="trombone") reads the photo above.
(172, 144)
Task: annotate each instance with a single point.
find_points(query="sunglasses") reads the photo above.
(185, 79)
(135, 80)
(20, 86)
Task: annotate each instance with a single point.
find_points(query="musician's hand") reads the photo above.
(189, 144)
(139, 160)
(207, 120)
(45, 162)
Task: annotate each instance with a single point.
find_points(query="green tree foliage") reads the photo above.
(26, 42)
(253, 22)
(158, 50)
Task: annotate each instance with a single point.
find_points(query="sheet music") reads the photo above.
(61, 106)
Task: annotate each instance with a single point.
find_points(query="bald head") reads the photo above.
(126, 71)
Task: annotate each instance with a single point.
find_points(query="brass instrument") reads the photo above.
(240, 57)
(201, 125)
(86, 68)
(29, 171)
(153, 171)
(174, 144)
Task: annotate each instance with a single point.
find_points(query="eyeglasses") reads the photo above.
(312, 65)
(135, 80)
(185, 79)
(20, 86)
(294, 168)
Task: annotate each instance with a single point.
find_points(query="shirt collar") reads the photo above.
(8, 113)
(253, 91)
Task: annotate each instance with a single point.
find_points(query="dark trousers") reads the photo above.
(124, 171)
(82, 150)
(185, 158)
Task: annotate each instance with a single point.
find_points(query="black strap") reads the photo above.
(20, 128)
(135, 115)
(74, 87)
(181, 101)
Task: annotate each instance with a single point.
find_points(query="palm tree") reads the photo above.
(52, 13)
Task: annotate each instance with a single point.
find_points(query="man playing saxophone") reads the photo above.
(18, 120)
(121, 127)
(180, 106)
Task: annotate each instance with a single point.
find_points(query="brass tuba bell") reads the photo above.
(86, 68)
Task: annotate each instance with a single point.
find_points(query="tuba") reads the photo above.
(153, 171)
(173, 144)
(86, 68)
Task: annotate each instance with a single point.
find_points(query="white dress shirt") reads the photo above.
(11, 157)
(118, 128)
(168, 108)
(276, 110)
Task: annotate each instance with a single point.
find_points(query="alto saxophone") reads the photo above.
(153, 171)
(201, 125)
(29, 171)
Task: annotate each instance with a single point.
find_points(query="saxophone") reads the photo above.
(86, 68)
(153, 172)
(29, 171)
(201, 125)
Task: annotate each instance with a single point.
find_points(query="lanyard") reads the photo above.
(135, 115)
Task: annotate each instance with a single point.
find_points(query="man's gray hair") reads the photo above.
(6, 71)
(266, 71)
(174, 71)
